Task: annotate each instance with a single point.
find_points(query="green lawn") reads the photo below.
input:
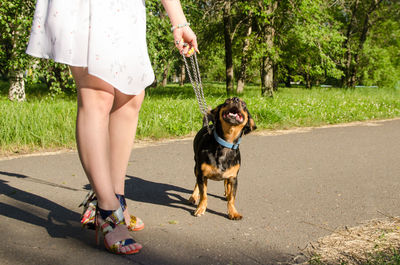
(48, 122)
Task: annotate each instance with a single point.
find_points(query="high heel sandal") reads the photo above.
(136, 223)
(89, 212)
(116, 235)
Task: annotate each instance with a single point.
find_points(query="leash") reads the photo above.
(197, 85)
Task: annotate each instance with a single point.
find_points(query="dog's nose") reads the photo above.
(235, 99)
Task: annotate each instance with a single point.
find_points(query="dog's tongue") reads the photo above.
(236, 116)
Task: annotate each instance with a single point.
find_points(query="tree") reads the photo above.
(16, 17)
(227, 18)
(218, 16)
(267, 38)
(312, 44)
(358, 17)
(380, 60)
(245, 49)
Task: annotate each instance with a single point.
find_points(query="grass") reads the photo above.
(373, 242)
(46, 122)
(380, 258)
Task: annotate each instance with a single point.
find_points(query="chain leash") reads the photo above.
(197, 85)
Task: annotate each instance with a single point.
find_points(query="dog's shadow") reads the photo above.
(140, 190)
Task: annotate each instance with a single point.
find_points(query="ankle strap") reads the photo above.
(115, 217)
(122, 201)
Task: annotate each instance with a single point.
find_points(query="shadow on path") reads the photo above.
(60, 222)
(141, 190)
(146, 191)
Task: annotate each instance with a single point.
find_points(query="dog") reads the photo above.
(217, 155)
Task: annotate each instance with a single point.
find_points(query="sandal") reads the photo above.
(116, 235)
(89, 212)
(136, 224)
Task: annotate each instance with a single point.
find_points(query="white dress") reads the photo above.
(107, 37)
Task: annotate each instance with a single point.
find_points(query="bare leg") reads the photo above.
(122, 129)
(95, 102)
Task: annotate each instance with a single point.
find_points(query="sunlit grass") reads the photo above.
(45, 122)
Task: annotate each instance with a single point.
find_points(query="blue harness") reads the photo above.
(225, 143)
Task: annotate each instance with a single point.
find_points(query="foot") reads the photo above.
(116, 235)
(193, 200)
(201, 209)
(235, 216)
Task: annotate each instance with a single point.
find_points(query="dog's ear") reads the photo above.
(250, 125)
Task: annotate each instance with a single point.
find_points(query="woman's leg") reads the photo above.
(95, 101)
(123, 123)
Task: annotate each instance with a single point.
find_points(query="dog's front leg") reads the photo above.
(202, 185)
(194, 198)
(231, 188)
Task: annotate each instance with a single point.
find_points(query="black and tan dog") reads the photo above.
(217, 155)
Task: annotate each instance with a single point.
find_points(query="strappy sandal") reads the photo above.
(116, 235)
(88, 216)
(136, 223)
(89, 205)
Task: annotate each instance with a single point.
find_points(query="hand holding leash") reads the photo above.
(185, 39)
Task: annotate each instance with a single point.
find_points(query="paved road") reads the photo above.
(293, 189)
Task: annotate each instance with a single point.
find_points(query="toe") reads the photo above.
(137, 246)
(124, 249)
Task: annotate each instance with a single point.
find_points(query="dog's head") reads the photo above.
(232, 118)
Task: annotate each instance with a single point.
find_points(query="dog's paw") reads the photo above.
(199, 211)
(193, 200)
(235, 216)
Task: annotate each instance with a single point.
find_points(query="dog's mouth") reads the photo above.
(233, 115)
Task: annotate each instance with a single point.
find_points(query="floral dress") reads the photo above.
(107, 37)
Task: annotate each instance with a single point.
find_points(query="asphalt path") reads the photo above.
(294, 187)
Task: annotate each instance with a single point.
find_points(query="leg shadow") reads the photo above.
(60, 222)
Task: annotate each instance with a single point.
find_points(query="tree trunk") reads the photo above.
(308, 80)
(275, 76)
(363, 38)
(364, 25)
(175, 78)
(228, 46)
(245, 59)
(183, 75)
(288, 79)
(347, 45)
(267, 77)
(17, 86)
(267, 64)
(165, 75)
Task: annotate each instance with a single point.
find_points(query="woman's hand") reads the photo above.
(184, 37)
(185, 40)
